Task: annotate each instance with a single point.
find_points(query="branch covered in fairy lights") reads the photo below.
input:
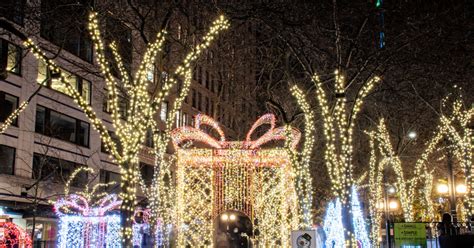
(8, 122)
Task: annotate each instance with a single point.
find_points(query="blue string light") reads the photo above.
(358, 221)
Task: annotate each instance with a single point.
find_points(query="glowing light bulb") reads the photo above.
(461, 189)
(393, 205)
(225, 217)
(412, 135)
(442, 188)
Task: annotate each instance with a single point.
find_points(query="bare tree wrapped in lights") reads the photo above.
(391, 159)
(143, 105)
(301, 161)
(338, 131)
(453, 127)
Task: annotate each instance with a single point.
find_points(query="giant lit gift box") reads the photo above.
(81, 225)
(253, 177)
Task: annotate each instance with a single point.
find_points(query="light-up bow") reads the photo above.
(196, 134)
(77, 204)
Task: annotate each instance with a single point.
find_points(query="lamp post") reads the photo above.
(454, 192)
(387, 206)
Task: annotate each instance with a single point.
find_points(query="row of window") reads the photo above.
(10, 61)
(204, 104)
(107, 177)
(13, 60)
(51, 169)
(56, 170)
(81, 85)
(57, 125)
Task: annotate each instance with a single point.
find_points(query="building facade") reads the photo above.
(53, 137)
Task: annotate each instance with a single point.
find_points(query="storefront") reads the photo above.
(23, 216)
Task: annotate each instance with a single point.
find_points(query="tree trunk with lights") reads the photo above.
(128, 196)
(347, 221)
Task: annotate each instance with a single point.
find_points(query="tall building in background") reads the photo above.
(52, 137)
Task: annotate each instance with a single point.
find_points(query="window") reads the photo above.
(122, 107)
(213, 85)
(211, 109)
(44, 231)
(150, 73)
(224, 90)
(211, 57)
(194, 100)
(8, 104)
(185, 119)
(60, 126)
(64, 23)
(7, 160)
(207, 80)
(179, 86)
(199, 79)
(109, 177)
(10, 57)
(13, 10)
(149, 138)
(199, 102)
(115, 140)
(178, 118)
(81, 85)
(207, 107)
(147, 173)
(186, 100)
(164, 110)
(46, 168)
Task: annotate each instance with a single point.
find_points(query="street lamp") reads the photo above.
(386, 206)
(412, 135)
(391, 190)
(461, 189)
(442, 188)
(393, 205)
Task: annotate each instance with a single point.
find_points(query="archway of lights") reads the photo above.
(234, 175)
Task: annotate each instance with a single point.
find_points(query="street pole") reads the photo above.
(387, 221)
(387, 217)
(452, 193)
